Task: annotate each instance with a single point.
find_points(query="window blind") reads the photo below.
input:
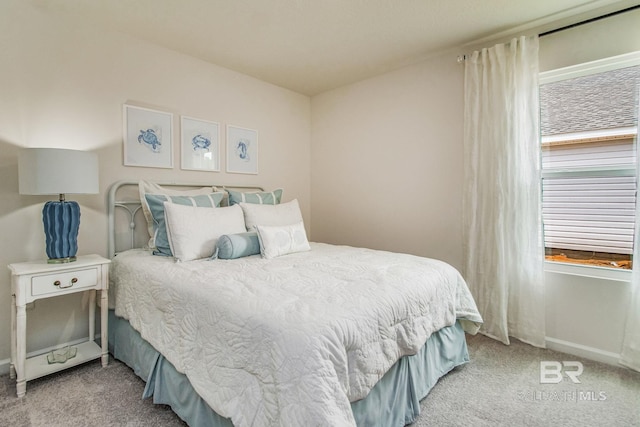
(583, 210)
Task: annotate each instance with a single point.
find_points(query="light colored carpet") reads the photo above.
(499, 387)
(84, 396)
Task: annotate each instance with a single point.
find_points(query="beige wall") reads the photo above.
(608, 37)
(387, 173)
(63, 84)
(387, 161)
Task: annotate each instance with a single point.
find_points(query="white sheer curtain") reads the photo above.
(630, 355)
(504, 253)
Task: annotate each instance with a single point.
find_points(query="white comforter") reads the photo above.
(292, 340)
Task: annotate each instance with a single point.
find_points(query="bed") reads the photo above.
(292, 333)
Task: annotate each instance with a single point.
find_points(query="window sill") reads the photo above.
(594, 272)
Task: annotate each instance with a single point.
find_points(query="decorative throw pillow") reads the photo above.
(257, 197)
(232, 246)
(276, 241)
(282, 214)
(146, 187)
(156, 206)
(193, 231)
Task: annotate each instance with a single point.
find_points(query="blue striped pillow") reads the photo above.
(156, 206)
(256, 197)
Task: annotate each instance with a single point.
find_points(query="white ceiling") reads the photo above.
(311, 46)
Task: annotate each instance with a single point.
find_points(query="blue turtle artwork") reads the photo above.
(150, 139)
(200, 142)
(242, 149)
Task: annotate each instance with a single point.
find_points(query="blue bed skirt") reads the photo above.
(394, 401)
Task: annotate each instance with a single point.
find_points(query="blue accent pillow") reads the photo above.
(232, 246)
(156, 206)
(256, 197)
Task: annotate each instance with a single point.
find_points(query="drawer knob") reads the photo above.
(71, 283)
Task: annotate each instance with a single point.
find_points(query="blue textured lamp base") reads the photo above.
(61, 224)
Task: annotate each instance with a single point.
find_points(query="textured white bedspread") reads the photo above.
(289, 341)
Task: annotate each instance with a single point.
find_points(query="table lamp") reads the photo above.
(44, 171)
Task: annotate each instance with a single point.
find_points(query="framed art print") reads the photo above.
(147, 137)
(200, 144)
(242, 150)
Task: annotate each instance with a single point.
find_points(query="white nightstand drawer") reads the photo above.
(60, 282)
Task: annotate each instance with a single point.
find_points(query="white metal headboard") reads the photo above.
(127, 225)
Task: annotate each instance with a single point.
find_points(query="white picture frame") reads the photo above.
(242, 150)
(200, 144)
(148, 136)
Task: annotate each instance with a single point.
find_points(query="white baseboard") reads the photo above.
(580, 350)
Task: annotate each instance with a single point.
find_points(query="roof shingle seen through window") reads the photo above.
(600, 101)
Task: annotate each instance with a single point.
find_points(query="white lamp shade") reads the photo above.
(57, 171)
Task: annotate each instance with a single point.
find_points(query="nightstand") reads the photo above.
(31, 281)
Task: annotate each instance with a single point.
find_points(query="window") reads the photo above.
(589, 126)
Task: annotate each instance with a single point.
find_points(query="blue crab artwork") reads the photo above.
(200, 142)
(150, 138)
(242, 149)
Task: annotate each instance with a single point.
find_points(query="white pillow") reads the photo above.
(194, 231)
(276, 241)
(147, 187)
(282, 214)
